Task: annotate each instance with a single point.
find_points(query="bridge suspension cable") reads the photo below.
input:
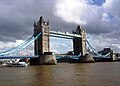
(96, 52)
(16, 46)
(14, 49)
(21, 46)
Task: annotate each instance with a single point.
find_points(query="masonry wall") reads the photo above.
(42, 43)
(79, 44)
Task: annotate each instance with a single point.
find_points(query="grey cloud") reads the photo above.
(17, 18)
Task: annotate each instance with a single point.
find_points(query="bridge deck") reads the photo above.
(63, 35)
(17, 57)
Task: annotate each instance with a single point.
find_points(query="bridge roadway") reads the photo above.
(17, 57)
(20, 57)
(63, 35)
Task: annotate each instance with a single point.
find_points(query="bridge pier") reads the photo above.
(87, 58)
(44, 59)
(42, 45)
(48, 59)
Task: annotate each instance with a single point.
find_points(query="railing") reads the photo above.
(63, 35)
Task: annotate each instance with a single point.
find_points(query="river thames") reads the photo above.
(62, 74)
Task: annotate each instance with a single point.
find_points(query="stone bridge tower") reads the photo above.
(42, 44)
(79, 44)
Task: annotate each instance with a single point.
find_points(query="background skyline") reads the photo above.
(100, 18)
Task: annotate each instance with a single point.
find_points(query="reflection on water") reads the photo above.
(63, 74)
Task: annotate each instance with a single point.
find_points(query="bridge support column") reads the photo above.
(79, 46)
(42, 45)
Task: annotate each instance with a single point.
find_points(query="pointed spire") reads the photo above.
(48, 22)
(41, 19)
(35, 24)
(78, 27)
(78, 30)
(73, 32)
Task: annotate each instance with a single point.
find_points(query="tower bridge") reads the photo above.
(42, 53)
(42, 45)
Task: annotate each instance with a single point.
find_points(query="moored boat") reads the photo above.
(18, 64)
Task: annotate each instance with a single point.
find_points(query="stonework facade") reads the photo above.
(79, 44)
(42, 44)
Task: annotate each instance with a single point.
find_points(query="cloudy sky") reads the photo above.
(101, 19)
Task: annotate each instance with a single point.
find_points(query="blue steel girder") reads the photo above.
(17, 57)
(63, 35)
(59, 36)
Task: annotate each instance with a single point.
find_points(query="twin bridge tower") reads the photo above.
(42, 44)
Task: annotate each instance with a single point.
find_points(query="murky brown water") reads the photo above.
(63, 74)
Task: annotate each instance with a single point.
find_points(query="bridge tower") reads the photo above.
(42, 44)
(79, 44)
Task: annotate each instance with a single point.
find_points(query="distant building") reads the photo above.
(105, 51)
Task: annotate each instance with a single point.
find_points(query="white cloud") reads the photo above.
(92, 17)
(6, 46)
(71, 10)
(60, 45)
(19, 41)
(77, 11)
(102, 21)
(105, 17)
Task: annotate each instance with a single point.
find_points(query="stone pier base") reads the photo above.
(44, 59)
(48, 59)
(88, 58)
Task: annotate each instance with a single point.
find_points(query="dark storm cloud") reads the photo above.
(17, 17)
(59, 24)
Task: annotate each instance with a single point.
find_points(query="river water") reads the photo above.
(62, 74)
